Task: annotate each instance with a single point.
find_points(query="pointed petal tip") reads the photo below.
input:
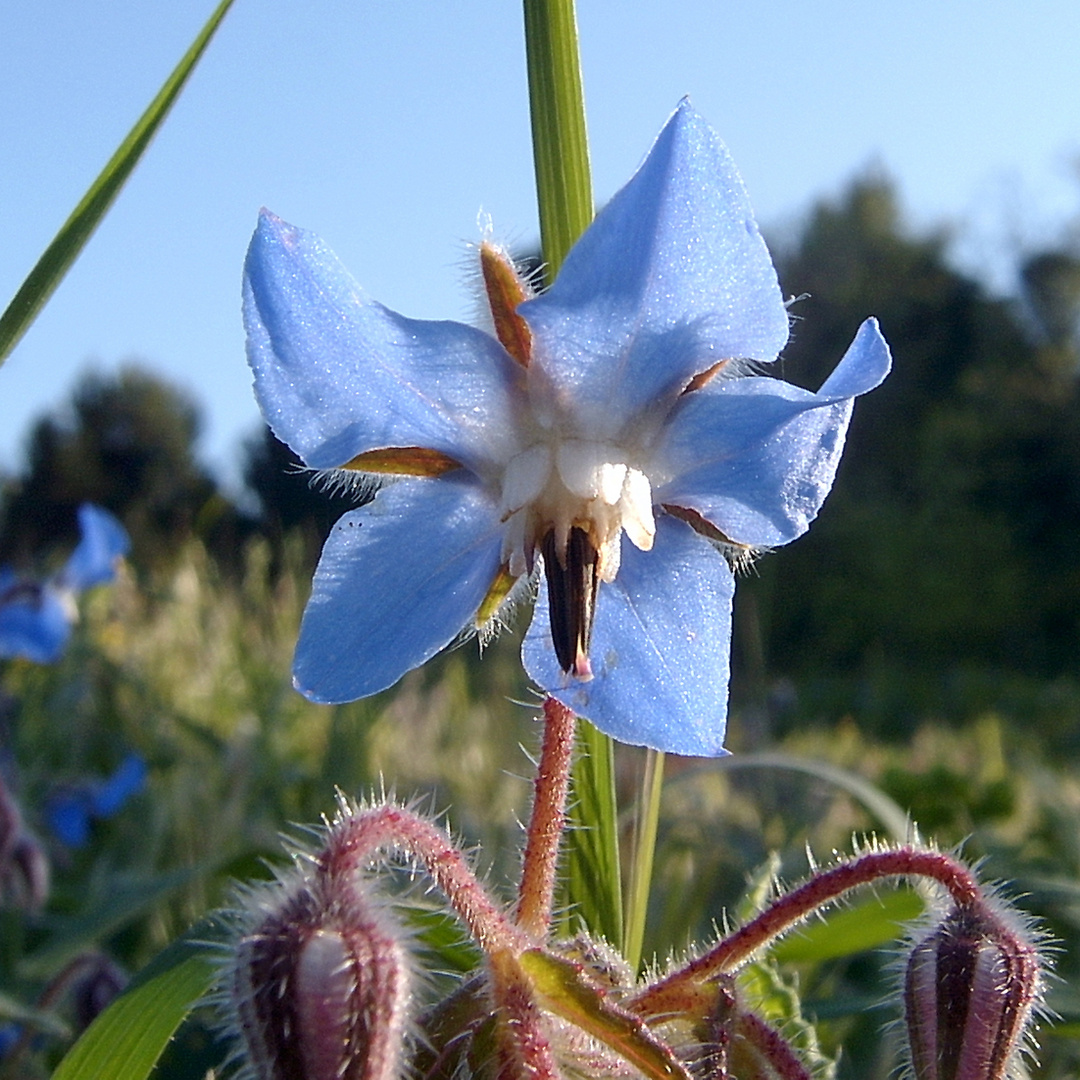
(272, 228)
(685, 111)
(863, 367)
(685, 118)
(314, 696)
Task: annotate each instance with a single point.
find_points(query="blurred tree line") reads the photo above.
(950, 542)
(948, 545)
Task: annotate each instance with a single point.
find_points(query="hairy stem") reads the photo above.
(772, 1046)
(524, 1050)
(784, 912)
(358, 839)
(537, 890)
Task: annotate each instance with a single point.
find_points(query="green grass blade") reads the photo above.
(560, 141)
(593, 879)
(647, 820)
(77, 230)
(125, 1041)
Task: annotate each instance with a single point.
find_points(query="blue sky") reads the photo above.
(388, 126)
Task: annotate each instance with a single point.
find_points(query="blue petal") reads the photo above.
(10, 1034)
(129, 779)
(68, 817)
(34, 623)
(337, 374)
(757, 456)
(672, 277)
(659, 649)
(104, 540)
(398, 580)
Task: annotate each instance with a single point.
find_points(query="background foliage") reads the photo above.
(924, 636)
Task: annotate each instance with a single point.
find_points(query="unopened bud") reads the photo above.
(25, 877)
(969, 989)
(97, 983)
(321, 988)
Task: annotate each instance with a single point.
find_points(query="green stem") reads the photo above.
(560, 142)
(593, 876)
(646, 821)
(564, 196)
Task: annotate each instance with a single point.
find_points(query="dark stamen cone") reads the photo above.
(572, 581)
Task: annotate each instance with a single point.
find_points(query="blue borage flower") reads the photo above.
(610, 434)
(36, 616)
(71, 810)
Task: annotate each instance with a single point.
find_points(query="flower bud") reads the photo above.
(25, 875)
(969, 989)
(320, 988)
(97, 983)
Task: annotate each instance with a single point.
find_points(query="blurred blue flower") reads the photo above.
(10, 1033)
(71, 810)
(630, 412)
(36, 616)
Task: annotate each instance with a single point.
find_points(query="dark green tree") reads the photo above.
(949, 539)
(293, 500)
(1051, 282)
(126, 442)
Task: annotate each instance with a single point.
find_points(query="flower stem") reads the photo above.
(565, 200)
(357, 839)
(821, 889)
(641, 860)
(560, 142)
(524, 1049)
(773, 1047)
(537, 889)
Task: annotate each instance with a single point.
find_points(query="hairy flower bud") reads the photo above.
(320, 987)
(969, 989)
(97, 981)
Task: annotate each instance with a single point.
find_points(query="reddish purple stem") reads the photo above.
(357, 840)
(667, 995)
(551, 787)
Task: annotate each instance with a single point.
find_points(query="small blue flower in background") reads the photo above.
(36, 616)
(71, 811)
(623, 448)
(103, 540)
(10, 1033)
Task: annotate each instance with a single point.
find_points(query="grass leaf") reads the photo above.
(593, 878)
(77, 230)
(126, 1040)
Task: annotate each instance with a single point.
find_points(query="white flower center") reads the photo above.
(560, 485)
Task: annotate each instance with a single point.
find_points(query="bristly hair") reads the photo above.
(1018, 922)
(529, 268)
(358, 487)
(253, 904)
(522, 594)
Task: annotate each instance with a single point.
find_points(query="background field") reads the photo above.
(921, 642)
